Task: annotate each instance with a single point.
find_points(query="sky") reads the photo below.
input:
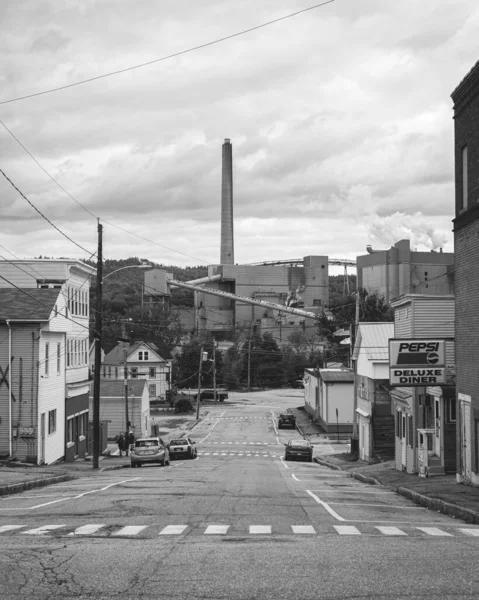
(340, 118)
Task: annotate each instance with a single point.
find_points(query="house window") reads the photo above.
(152, 372)
(140, 355)
(104, 371)
(451, 409)
(152, 390)
(47, 352)
(68, 353)
(143, 355)
(52, 421)
(134, 372)
(464, 182)
(116, 372)
(317, 302)
(59, 349)
(398, 424)
(109, 372)
(70, 430)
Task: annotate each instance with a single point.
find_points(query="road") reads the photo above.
(237, 523)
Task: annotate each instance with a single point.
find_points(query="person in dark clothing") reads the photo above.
(129, 439)
(120, 440)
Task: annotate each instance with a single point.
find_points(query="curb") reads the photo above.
(16, 488)
(446, 508)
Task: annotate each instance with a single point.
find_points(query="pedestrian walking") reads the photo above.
(129, 439)
(120, 440)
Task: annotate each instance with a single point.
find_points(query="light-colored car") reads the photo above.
(182, 447)
(149, 450)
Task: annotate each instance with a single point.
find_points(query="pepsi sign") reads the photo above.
(417, 362)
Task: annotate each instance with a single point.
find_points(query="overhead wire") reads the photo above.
(169, 56)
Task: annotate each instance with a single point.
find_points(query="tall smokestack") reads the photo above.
(227, 256)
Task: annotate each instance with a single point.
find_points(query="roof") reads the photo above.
(115, 388)
(115, 356)
(469, 79)
(336, 375)
(373, 338)
(30, 304)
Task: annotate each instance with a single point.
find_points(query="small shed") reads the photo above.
(112, 406)
(329, 398)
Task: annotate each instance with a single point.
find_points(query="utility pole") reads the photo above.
(355, 438)
(214, 370)
(125, 371)
(198, 397)
(98, 340)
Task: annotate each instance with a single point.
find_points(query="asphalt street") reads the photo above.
(238, 522)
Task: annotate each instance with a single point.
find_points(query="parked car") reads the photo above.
(297, 384)
(286, 420)
(182, 447)
(299, 450)
(221, 395)
(149, 450)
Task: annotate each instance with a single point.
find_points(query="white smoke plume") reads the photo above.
(357, 201)
(398, 226)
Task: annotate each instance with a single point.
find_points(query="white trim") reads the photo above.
(363, 413)
(464, 398)
(70, 444)
(82, 412)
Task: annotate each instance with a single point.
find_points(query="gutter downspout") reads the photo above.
(10, 447)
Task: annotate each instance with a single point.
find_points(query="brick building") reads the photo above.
(466, 272)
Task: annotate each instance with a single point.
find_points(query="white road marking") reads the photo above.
(274, 424)
(173, 529)
(76, 497)
(279, 443)
(434, 531)
(380, 505)
(347, 530)
(356, 491)
(87, 529)
(326, 506)
(390, 530)
(218, 420)
(260, 528)
(4, 528)
(216, 529)
(294, 477)
(303, 529)
(473, 532)
(284, 464)
(42, 530)
(130, 530)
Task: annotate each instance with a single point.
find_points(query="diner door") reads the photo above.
(41, 458)
(466, 440)
(437, 427)
(403, 440)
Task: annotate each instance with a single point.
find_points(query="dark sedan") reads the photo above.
(298, 450)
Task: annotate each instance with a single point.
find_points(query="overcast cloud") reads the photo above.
(340, 120)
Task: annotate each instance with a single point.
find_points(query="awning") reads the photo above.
(363, 413)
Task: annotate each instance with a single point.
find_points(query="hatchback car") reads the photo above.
(182, 447)
(286, 420)
(298, 450)
(149, 450)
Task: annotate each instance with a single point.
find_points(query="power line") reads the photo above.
(163, 58)
(42, 215)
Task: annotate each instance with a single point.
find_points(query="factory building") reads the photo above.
(399, 270)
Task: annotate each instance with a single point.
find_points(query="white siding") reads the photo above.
(340, 396)
(433, 317)
(51, 395)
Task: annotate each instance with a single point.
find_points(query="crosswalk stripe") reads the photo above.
(217, 529)
(303, 529)
(473, 532)
(434, 531)
(173, 529)
(260, 528)
(347, 530)
(86, 529)
(4, 528)
(130, 530)
(390, 530)
(42, 530)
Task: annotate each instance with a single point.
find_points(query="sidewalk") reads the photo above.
(440, 493)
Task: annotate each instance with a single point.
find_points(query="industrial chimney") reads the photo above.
(227, 241)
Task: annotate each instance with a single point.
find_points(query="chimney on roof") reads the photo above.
(227, 240)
